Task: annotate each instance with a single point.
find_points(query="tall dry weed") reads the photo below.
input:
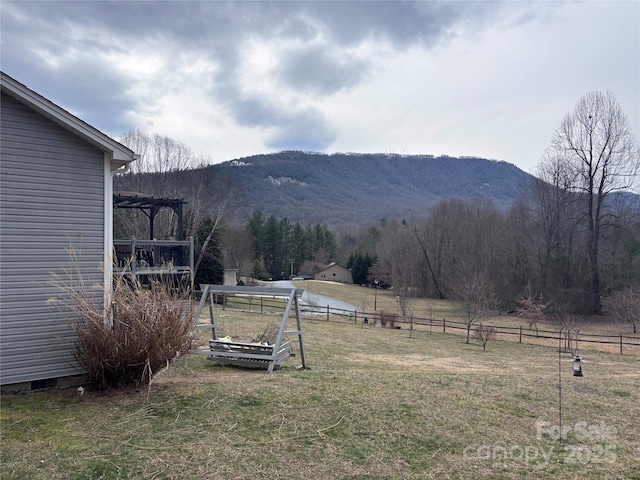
(130, 334)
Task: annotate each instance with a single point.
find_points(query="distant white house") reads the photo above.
(335, 273)
(55, 192)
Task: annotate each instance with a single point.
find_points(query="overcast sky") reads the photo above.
(486, 79)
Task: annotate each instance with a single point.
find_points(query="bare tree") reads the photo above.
(518, 244)
(237, 249)
(484, 334)
(625, 306)
(432, 272)
(556, 217)
(158, 153)
(596, 147)
(431, 311)
(219, 202)
(397, 262)
(478, 298)
(162, 169)
(169, 168)
(440, 245)
(569, 330)
(460, 239)
(532, 308)
(618, 238)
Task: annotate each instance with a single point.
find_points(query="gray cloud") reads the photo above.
(289, 127)
(256, 111)
(304, 129)
(61, 49)
(317, 70)
(402, 23)
(32, 49)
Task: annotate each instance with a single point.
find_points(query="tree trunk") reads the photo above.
(433, 275)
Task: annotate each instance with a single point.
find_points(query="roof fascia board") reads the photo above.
(118, 153)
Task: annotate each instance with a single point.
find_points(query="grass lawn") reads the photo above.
(374, 404)
(363, 297)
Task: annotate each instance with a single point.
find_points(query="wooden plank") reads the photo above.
(252, 291)
(246, 349)
(249, 354)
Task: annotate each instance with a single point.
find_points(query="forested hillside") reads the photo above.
(480, 231)
(462, 222)
(342, 189)
(357, 189)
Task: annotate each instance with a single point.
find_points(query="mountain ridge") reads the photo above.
(352, 188)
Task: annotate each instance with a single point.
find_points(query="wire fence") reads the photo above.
(619, 343)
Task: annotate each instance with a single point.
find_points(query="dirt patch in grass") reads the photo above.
(422, 362)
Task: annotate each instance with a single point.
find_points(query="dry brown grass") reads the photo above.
(446, 309)
(374, 404)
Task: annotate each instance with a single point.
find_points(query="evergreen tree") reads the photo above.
(255, 225)
(211, 269)
(272, 240)
(359, 264)
(299, 247)
(280, 247)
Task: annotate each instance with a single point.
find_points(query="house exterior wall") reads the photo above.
(335, 273)
(52, 196)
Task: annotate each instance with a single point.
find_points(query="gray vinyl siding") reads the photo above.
(51, 197)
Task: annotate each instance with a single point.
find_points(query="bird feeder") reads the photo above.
(576, 364)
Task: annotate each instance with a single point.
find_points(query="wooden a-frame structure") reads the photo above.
(248, 354)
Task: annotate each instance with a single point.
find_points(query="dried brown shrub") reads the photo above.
(149, 329)
(533, 309)
(140, 330)
(388, 320)
(484, 334)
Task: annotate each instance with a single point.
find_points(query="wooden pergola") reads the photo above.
(150, 206)
(164, 260)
